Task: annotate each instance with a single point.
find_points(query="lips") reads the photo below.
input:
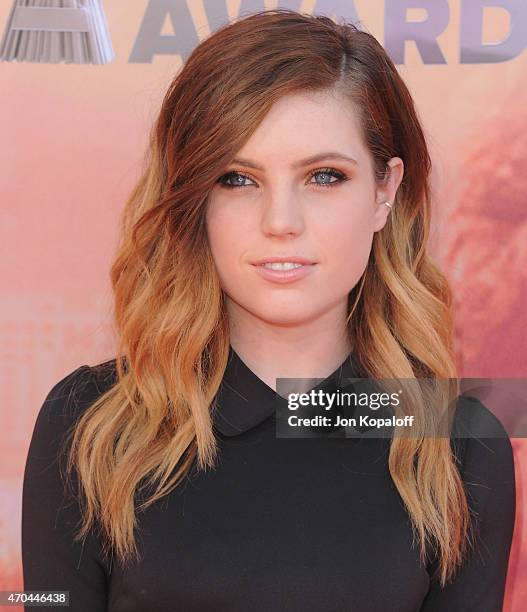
(284, 259)
(285, 275)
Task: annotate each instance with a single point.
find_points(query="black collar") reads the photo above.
(244, 400)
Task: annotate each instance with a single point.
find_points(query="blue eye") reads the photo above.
(239, 177)
(329, 172)
(229, 175)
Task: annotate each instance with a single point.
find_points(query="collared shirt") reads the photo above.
(244, 400)
(296, 524)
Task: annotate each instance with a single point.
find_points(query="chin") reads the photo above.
(286, 316)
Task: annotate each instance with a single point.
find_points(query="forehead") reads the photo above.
(303, 124)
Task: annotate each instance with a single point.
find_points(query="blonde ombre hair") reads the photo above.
(144, 433)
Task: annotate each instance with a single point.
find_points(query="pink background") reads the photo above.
(72, 140)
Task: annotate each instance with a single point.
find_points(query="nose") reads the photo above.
(282, 213)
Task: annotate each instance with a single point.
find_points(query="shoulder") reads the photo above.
(473, 418)
(57, 417)
(70, 396)
(483, 447)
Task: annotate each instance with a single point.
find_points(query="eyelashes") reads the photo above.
(330, 172)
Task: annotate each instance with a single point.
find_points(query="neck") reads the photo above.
(300, 349)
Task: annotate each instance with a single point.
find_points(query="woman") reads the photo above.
(285, 138)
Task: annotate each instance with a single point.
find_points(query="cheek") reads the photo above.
(347, 248)
(354, 258)
(228, 237)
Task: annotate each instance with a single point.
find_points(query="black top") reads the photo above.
(311, 524)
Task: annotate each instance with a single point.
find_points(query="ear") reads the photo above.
(385, 192)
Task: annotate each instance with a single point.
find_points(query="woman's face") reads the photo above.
(272, 203)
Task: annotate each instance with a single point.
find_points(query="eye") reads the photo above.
(238, 180)
(328, 173)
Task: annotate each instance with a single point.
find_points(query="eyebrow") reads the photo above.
(299, 164)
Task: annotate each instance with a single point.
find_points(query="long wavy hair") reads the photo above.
(145, 432)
